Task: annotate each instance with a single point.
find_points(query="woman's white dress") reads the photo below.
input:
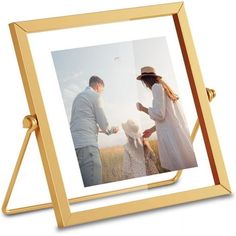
(175, 147)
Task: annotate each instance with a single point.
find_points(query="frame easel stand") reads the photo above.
(30, 122)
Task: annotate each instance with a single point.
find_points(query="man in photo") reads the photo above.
(87, 120)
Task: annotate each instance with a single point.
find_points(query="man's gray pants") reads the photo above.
(90, 165)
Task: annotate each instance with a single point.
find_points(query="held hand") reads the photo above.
(115, 130)
(139, 106)
(147, 133)
(142, 108)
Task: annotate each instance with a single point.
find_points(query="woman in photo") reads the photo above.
(139, 159)
(175, 147)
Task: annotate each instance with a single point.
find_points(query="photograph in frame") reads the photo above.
(123, 151)
(51, 124)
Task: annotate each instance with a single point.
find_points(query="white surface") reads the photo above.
(214, 37)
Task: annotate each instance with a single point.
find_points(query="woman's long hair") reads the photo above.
(150, 79)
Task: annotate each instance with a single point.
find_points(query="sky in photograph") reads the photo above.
(118, 64)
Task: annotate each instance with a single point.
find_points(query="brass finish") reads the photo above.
(60, 203)
(95, 18)
(31, 123)
(210, 94)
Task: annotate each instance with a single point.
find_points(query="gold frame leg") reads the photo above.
(31, 123)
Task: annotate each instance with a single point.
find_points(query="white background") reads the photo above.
(213, 29)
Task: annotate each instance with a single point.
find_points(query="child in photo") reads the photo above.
(139, 159)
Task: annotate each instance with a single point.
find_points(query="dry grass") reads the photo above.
(112, 162)
(154, 146)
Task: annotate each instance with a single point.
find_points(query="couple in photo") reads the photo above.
(88, 119)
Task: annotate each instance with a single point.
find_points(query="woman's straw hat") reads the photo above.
(131, 129)
(146, 70)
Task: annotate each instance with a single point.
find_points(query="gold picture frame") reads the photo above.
(38, 122)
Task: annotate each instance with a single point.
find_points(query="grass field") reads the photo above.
(112, 161)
